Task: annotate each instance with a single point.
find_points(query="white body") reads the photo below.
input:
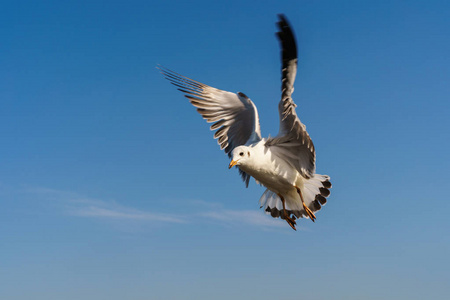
(269, 169)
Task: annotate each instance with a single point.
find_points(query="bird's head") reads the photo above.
(240, 156)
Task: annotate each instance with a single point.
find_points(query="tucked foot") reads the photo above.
(290, 221)
(311, 215)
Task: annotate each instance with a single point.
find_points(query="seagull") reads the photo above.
(284, 164)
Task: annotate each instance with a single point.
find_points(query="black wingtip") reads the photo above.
(283, 22)
(286, 37)
(282, 17)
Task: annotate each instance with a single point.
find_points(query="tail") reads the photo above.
(314, 191)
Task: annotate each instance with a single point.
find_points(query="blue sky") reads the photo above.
(112, 187)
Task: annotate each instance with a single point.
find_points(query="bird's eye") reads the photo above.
(241, 154)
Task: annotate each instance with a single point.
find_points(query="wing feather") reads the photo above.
(235, 115)
(292, 143)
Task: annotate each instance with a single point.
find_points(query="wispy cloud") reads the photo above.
(255, 218)
(61, 196)
(124, 214)
(82, 206)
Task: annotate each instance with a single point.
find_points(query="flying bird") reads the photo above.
(284, 164)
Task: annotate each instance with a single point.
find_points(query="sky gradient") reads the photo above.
(112, 187)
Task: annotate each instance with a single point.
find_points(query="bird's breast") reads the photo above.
(275, 174)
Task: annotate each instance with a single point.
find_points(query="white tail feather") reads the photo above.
(314, 192)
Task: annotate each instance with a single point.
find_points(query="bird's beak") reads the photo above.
(232, 163)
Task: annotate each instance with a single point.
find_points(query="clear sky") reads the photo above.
(112, 187)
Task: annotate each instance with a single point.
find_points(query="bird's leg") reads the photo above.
(306, 208)
(288, 219)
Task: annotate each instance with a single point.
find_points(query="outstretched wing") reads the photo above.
(234, 115)
(292, 142)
